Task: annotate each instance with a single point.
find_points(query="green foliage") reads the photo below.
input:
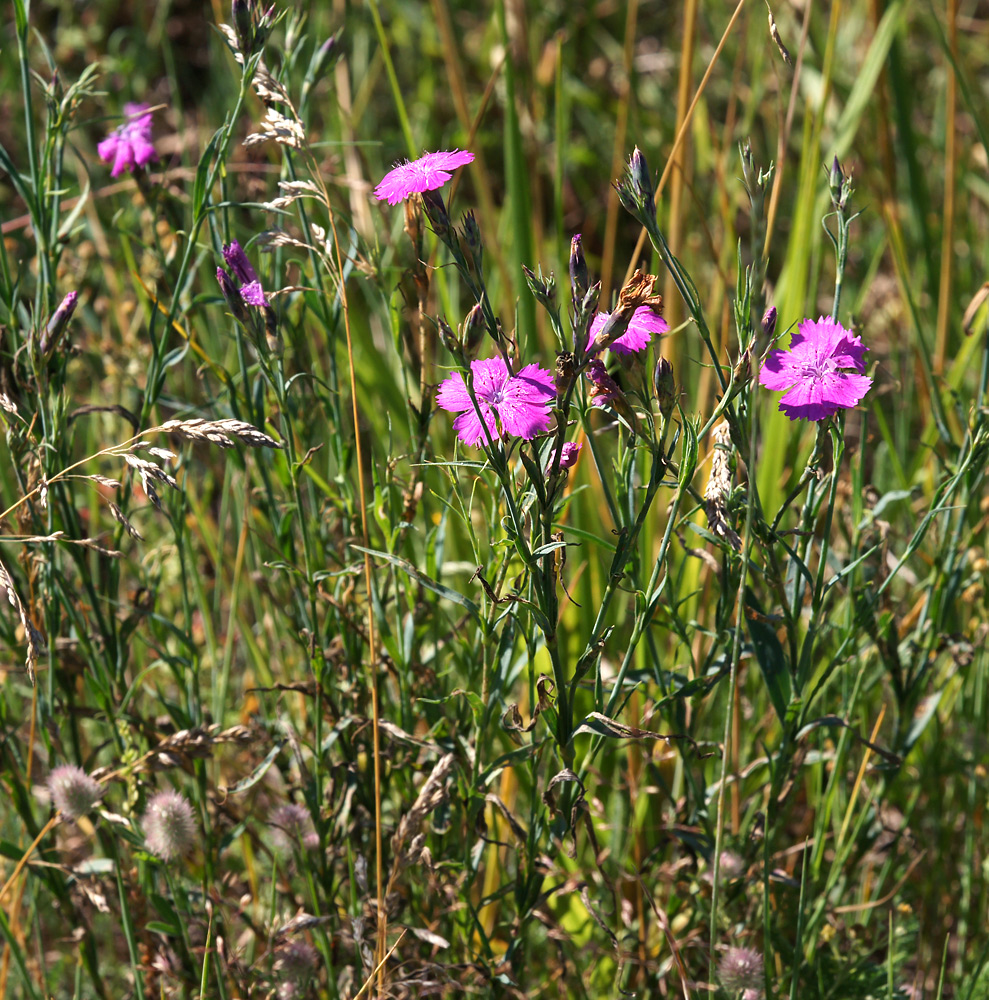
(720, 683)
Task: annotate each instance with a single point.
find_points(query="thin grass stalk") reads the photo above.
(948, 207)
(382, 915)
(679, 166)
(681, 134)
(618, 151)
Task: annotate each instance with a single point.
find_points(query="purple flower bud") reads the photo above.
(665, 386)
(473, 331)
(579, 279)
(231, 293)
(233, 254)
(241, 11)
(769, 321)
(73, 791)
(58, 322)
(568, 456)
(439, 218)
(169, 825)
(641, 181)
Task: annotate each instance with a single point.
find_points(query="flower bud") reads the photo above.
(543, 288)
(641, 181)
(231, 294)
(271, 334)
(665, 386)
(568, 457)
(471, 235)
(473, 332)
(579, 279)
(57, 324)
(244, 23)
(769, 322)
(437, 214)
(450, 340)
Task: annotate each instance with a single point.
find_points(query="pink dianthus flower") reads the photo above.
(812, 371)
(644, 324)
(511, 404)
(430, 171)
(129, 147)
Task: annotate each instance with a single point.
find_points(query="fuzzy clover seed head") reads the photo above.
(740, 969)
(292, 827)
(169, 825)
(73, 791)
(295, 965)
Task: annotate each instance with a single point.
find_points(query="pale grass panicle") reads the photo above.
(219, 432)
(35, 641)
(275, 125)
(718, 487)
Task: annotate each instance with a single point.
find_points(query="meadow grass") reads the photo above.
(302, 696)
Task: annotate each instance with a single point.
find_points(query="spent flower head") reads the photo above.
(169, 825)
(430, 171)
(129, 147)
(514, 405)
(644, 324)
(73, 791)
(813, 371)
(741, 969)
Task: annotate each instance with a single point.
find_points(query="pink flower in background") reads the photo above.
(429, 172)
(644, 324)
(129, 146)
(511, 404)
(812, 371)
(568, 456)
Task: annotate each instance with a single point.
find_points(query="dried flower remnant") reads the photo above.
(604, 389)
(642, 327)
(637, 293)
(73, 791)
(129, 146)
(512, 405)
(812, 371)
(741, 969)
(169, 825)
(430, 171)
